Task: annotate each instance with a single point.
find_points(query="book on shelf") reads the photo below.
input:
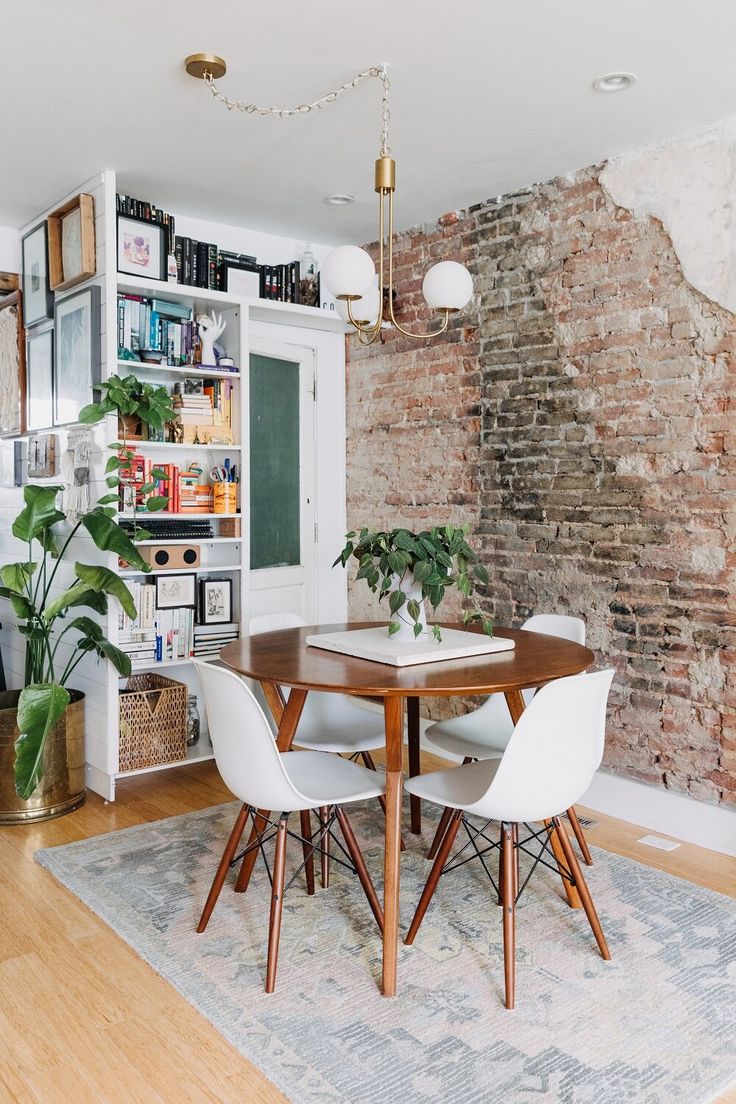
(167, 529)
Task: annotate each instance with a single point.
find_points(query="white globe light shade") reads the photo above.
(447, 286)
(348, 270)
(364, 310)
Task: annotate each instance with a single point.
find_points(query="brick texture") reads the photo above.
(580, 418)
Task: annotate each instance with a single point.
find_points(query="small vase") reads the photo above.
(412, 590)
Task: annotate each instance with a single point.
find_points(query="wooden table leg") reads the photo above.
(287, 717)
(515, 702)
(415, 764)
(393, 711)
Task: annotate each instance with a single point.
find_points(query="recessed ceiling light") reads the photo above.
(340, 200)
(614, 82)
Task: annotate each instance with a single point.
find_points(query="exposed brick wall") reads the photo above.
(580, 419)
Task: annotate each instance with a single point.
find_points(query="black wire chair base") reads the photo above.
(541, 835)
(317, 838)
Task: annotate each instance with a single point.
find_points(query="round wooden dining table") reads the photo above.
(283, 658)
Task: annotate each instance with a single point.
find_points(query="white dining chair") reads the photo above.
(484, 733)
(548, 763)
(262, 777)
(329, 722)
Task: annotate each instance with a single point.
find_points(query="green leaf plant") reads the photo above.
(57, 636)
(130, 399)
(438, 558)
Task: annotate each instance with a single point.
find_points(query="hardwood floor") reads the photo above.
(83, 1019)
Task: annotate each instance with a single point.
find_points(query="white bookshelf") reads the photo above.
(249, 324)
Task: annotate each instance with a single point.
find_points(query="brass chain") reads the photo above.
(379, 72)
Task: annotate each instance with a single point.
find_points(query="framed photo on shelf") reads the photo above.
(142, 248)
(215, 601)
(71, 238)
(176, 590)
(242, 279)
(12, 366)
(38, 299)
(76, 352)
(40, 377)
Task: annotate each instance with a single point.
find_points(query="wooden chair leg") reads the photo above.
(439, 834)
(307, 849)
(415, 761)
(434, 874)
(222, 870)
(246, 868)
(357, 856)
(517, 871)
(587, 901)
(370, 764)
(277, 904)
(577, 828)
(509, 912)
(324, 842)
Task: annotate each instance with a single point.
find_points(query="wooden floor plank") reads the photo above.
(87, 1002)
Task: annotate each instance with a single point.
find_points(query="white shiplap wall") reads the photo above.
(91, 676)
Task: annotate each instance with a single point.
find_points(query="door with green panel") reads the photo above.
(282, 427)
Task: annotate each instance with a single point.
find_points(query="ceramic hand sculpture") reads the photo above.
(210, 328)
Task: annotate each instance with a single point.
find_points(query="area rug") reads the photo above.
(657, 1025)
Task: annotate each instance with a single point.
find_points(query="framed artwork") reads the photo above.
(12, 366)
(42, 450)
(38, 299)
(40, 377)
(242, 279)
(76, 352)
(215, 601)
(71, 237)
(142, 248)
(176, 590)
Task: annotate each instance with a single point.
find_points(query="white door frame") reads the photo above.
(328, 597)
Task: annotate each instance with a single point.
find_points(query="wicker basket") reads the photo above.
(153, 722)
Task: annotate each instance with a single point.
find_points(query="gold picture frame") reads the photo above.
(71, 230)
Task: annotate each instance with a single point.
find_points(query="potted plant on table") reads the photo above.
(414, 570)
(42, 725)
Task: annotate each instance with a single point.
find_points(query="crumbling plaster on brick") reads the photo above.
(688, 183)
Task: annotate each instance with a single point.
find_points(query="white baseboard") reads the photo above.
(673, 814)
(654, 807)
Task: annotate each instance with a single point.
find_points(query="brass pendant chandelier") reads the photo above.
(365, 298)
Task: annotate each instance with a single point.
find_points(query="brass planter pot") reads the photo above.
(62, 786)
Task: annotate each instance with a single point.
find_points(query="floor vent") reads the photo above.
(659, 843)
(586, 821)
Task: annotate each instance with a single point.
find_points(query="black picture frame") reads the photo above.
(40, 377)
(147, 263)
(76, 352)
(253, 270)
(207, 614)
(38, 298)
(185, 586)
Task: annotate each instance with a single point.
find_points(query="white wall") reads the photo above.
(9, 249)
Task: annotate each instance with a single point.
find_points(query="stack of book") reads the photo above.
(193, 408)
(209, 639)
(281, 282)
(194, 497)
(168, 529)
(137, 636)
(220, 393)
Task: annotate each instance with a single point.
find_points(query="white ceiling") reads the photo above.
(486, 98)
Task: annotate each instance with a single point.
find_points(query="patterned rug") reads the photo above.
(655, 1026)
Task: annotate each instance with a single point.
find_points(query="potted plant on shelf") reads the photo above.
(42, 725)
(415, 570)
(135, 403)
